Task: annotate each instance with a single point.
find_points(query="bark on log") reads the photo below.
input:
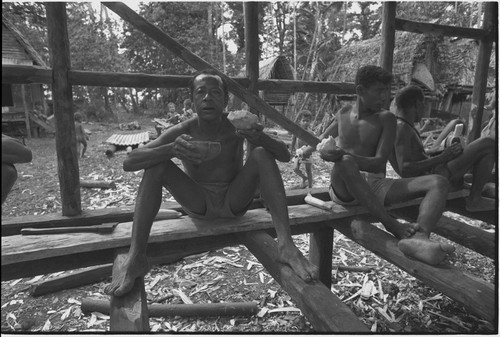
(185, 310)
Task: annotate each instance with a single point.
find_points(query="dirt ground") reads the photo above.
(402, 305)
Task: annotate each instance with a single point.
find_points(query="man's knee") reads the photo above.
(259, 153)
(439, 183)
(9, 173)
(157, 172)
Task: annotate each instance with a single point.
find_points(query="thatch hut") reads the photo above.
(20, 100)
(278, 68)
(433, 63)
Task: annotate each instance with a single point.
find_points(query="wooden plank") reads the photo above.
(24, 256)
(458, 206)
(475, 294)
(129, 313)
(16, 74)
(13, 225)
(440, 30)
(67, 157)
(323, 309)
(321, 253)
(462, 233)
(253, 100)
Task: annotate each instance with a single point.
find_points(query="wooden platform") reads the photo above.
(26, 256)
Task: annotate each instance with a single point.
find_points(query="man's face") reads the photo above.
(374, 96)
(208, 97)
(305, 121)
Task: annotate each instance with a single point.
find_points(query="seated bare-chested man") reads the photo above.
(13, 152)
(411, 160)
(222, 187)
(366, 133)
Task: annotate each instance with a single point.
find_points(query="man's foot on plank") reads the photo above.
(421, 248)
(291, 256)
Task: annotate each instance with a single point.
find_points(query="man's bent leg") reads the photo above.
(9, 177)
(261, 167)
(147, 205)
(348, 183)
(433, 189)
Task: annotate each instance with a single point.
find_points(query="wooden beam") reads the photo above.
(168, 210)
(67, 157)
(185, 310)
(251, 10)
(475, 294)
(177, 49)
(321, 253)
(481, 74)
(388, 36)
(325, 311)
(440, 30)
(17, 74)
(129, 313)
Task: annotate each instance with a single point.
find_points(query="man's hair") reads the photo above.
(368, 75)
(210, 72)
(304, 113)
(408, 97)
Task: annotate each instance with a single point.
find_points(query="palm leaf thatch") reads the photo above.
(448, 62)
(278, 68)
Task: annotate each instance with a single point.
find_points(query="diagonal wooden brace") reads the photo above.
(198, 63)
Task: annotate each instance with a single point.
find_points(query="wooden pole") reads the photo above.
(388, 39)
(26, 112)
(67, 158)
(251, 10)
(196, 62)
(320, 253)
(481, 73)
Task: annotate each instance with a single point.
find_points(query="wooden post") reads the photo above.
(251, 11)
(67, 158)
(481, 73)
(320, 253)
(26, 112)
(388, 38)
(129, 313)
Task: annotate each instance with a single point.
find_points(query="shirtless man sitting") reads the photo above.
(366, 135)
(410, 159)
(222, 187)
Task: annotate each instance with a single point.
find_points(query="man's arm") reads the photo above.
(158, 151)
(259, 138)
(13, 151)
(413, 162)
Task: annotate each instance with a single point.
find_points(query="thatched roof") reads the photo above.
(278, 68)
(9, 45)
(448, 62)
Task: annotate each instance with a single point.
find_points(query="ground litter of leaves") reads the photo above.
(396, 303)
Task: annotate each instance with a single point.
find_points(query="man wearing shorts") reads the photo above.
(220, 186)
(366, 134)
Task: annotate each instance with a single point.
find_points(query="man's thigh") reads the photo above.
(406, 189)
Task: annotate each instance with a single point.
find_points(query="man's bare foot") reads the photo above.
(401, 230)
(480, 204)
(291, 256)
(420, 247)
(128, 273)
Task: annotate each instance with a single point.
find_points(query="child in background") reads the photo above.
(187, 110)
(81, 136)
(305, 118)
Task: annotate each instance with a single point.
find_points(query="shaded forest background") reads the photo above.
(306, 33)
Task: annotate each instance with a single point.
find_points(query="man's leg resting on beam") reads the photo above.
(261, 169)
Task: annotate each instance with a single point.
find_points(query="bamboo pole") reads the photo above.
(26, 112)
(67, 158)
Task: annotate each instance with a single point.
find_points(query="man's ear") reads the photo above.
(360, 90)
